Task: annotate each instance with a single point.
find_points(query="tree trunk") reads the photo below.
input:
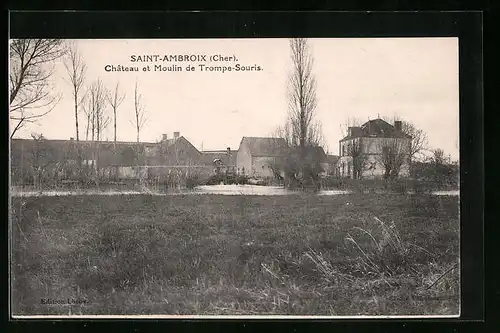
(76, 119)
(114, 124)
(87, 128)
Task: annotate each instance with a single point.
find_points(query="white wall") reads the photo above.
(244, 160)
(373, 147)
(261, 166)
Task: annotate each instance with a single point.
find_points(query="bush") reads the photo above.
(423, 187)
(397, 186)
(241, 179)
(332, 182)
(227, 179)
(192, 181)
(441, 175)
(214, 179)
(263, 182)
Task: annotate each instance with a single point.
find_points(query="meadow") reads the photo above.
(353, 254)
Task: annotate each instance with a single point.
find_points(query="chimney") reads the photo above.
(176, 135)
(398, 125)
(71, 139)
(354, 130)
(164, 137)
(229, 150)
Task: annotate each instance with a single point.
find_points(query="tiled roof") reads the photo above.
(377, 128)
(208, 157)
(260, 146)
(110, 153)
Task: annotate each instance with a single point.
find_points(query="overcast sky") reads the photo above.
(415, 79)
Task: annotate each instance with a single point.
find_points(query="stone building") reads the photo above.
(375, 149)
(257, 155)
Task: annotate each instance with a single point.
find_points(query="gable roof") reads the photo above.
(208, 157)
(176, 151)
(377, 128)
(261, 146)
(110, 152)
(172, 142)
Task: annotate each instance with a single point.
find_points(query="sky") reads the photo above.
(414, 79)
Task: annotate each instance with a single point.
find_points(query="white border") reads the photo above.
(207, 316)
(227, 317)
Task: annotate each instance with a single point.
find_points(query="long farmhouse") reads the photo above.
(110, 160)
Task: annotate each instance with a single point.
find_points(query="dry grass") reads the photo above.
(207, 254)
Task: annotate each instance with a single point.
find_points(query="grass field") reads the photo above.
(228, 255)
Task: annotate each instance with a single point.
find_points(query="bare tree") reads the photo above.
(303, 130)
(300, 130)
(418, 139)
(284, 132)
(95, 109)
(42, 161)
(394, 154)
(115, 99)
(418, 136)
(87, 110)
(350, 122)
(438, 157)
(31, 67)
(357, 149)
(102, 121)
(139, 112)
(76, 70)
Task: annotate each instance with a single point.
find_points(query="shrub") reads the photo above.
(263, 182)
(397, 186)
(381, 250)
(241, 179)
(423, 187)
(440, 175)
(332, 182)
(214, 179)
(192, 181)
